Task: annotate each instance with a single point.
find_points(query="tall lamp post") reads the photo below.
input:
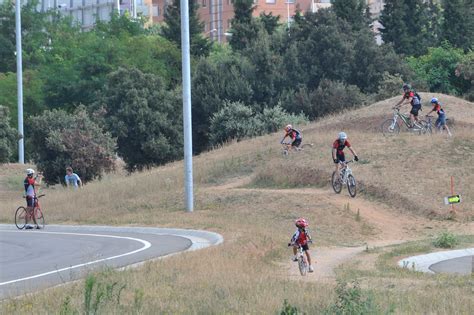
(19, 79)
(188, 145)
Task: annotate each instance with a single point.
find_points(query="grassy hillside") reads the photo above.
(251, 194)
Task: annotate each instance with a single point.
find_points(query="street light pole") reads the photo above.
(19, 79)
(188, 140)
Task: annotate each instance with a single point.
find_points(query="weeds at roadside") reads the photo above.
(446, 240)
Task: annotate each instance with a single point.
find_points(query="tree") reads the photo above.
(244, 29)
(406, 26)
(145, 118)
(352, 11)
(60, 139)
(438, 69)
(199, 45)
(222, 76)
(8, 137)
(458, 24)
(34, 35)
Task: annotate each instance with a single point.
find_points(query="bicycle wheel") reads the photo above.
(351, 185)
(20, 217)
(302, 265)
(336, 182)
(39, 217)
(388, 129)
(425, 127)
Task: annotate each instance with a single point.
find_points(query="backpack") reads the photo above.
(417, 100)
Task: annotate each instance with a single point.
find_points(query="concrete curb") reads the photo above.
(422, 263)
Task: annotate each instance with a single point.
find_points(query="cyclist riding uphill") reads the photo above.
(441, 121)
(414, 99)
(30, 184)
(301, 238)
(294, 135)
(338, 147)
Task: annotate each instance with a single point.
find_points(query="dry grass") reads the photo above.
(409, 174)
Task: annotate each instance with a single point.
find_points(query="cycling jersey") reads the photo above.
(301, 237)
(29, 186)
(415, 101)
(437, 108)
(340, 146)
(294, 134)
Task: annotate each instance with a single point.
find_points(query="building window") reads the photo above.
(204, 3)
(270, 1)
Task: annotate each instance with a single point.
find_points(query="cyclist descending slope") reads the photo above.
(301, 238)
(338, 147)
(294, 135)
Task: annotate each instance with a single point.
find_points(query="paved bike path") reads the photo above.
(454, 261)
(31, 260)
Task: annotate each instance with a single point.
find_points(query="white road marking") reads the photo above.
(146, 245)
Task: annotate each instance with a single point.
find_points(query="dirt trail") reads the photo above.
(392, 227)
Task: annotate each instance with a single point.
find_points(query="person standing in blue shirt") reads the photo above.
(72, 179)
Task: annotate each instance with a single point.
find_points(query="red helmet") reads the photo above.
(301, 223)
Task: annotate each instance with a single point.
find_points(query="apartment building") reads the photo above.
(217, 14)
(86, 12)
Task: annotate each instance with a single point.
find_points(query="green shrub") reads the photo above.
(59, 139)
(389, 86)
(289, 309)
(446, 240)
(351, 300)
(329, 97)
(234, 121)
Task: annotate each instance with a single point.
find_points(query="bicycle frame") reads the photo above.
(345, 171)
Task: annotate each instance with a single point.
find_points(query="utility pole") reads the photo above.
(19, 79)
(188, 140)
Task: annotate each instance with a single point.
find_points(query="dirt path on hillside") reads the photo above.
(391, 227)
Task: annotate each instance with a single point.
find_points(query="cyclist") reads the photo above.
(410, 96)
(72, 179)
(338, 147)
(30, 184)
(301, 238)
(295, 136)
(441, 121)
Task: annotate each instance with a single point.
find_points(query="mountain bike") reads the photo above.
(23, 215)
(344, 177)
(430, 124)
(391, 127)
(287, 148)
(303, 265)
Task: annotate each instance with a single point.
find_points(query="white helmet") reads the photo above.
(342, 135)
(288, 127)
(30, 171)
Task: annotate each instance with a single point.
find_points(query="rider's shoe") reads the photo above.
(310, 269)
(295, 258)
(28, 227)
(38, 227)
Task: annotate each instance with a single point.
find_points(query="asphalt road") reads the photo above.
(31, 260)
(460, 265)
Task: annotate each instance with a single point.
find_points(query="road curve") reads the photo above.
(31, 260)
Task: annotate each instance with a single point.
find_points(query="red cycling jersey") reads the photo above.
(340, 146)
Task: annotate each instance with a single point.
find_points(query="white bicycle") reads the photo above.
(345, 177)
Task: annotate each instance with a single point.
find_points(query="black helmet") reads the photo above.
(406, 87)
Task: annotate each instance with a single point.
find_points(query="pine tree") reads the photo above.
(199, 45)
(458, 23)
(406, 26)
(353, 11)
(244, 28)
